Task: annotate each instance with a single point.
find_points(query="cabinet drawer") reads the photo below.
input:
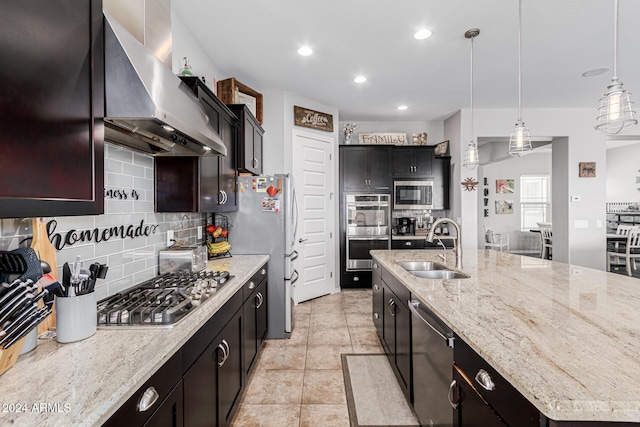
(252, 284)
(407, 244)
(504, 398)
(402, 294)
(163, 382)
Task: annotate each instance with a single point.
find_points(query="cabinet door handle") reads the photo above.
(252, 285)
(376, 316)
(450, 395)
(255, 162)
(392, 307)
(225, 352)
(407, 243)
(220, 197)
(224, 197)
(148, 399)
(260, 300)
(376, 287)
(484, 379)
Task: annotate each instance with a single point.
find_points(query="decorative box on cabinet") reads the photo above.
(412, 162)
(52, 108)
(249, 137)
(232, 91)
(365, 168)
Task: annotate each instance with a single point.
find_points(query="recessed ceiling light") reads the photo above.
(305, 51)
(360, 79)
(595, 72)
(422, 34)
(402, 107)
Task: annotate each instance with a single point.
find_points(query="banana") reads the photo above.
(218, 248)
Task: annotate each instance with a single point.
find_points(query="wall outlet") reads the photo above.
(170, 239)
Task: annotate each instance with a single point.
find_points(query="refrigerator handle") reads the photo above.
(295, 276)
(293, 255)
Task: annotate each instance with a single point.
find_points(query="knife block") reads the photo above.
(9, 356)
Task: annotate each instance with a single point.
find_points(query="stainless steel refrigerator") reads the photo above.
(266, 223)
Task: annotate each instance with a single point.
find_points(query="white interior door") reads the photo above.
(314, 172)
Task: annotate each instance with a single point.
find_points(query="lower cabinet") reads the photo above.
(214, 382)
(396, 329)
(201, 385)
(170, 413)
(472, 411)
(378, 300)
(255, 324)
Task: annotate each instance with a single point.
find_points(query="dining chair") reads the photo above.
(621, 230)
(630, 253)
(546, 241)
(496, 241)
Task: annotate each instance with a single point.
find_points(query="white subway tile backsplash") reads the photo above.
(118, 206)
(139, 206)
(116, 152)
(118, 181)
(141, 183)
(134, 171)
(143, 160)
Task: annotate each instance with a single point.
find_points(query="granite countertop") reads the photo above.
(84, 383)
(566, 337)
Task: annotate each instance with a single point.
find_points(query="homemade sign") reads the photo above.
(312, 119)
(382, 138)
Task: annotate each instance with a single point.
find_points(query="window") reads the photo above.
(535, 200)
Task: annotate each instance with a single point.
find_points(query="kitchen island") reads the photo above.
(84, 383)
(566, 337)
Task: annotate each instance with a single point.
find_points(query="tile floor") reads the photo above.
(298, 382)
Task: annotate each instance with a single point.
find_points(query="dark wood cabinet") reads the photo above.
(365, 169)
(161, 392)
(396, 327)
(213, 384)
(201, 184)
(441, 182)
(412, 162)
(407, 243)
(171, 411)
(249, 136)
(378, 300)
(501, 399)
(255, 319)
(52, 108)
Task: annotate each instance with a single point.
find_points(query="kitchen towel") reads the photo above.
(374, 397)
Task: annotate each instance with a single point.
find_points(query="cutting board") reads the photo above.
(46, 252)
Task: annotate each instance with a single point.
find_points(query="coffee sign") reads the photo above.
(312, 119)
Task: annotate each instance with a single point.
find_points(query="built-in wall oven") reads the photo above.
(368, 227)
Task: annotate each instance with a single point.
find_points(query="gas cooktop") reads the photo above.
(161, 301)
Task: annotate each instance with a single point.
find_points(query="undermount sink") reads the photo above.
(412, 266)
(439, 274)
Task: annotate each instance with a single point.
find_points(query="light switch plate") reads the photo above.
(170, 240)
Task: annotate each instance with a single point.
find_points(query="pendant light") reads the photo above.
(471, 157)
(615, 113)
(520, 139)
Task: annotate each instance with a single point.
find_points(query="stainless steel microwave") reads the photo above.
(413, 195)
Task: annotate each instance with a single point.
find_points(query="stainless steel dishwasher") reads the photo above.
(432, 367)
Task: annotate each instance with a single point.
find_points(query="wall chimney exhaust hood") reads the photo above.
(147, 107)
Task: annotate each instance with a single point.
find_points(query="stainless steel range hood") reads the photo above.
(147, 107)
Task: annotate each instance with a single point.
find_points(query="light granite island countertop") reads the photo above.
(566, 337)
(84, 383)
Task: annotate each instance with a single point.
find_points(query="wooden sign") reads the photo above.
(382, 138)
(312, 119)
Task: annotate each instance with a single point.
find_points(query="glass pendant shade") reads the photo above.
(616, 110)
(471, 156)
(520, 140)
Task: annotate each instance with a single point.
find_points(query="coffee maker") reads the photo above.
(407, 226)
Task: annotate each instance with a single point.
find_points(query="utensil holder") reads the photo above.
(76, 317)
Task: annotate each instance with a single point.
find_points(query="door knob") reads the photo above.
(301, 240)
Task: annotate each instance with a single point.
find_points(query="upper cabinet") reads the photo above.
(249, 140)
(441, 182)
(52, 108)
(412, 162)
(365, 168)
(201, 184)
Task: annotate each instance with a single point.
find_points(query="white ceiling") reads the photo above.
(256, 42)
